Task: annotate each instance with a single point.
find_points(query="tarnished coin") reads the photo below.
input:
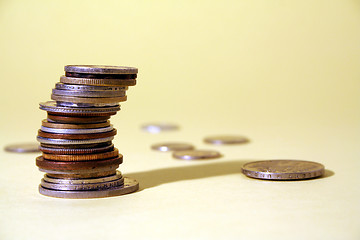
(22, 147)
(159, 127)
(226, 139)
(75, 87)
(172, 146)
(98, 82)
(283, 169)
(196, 154)
(110, 100)
(81, 157)
(102, 69)
(67, 119)
(75, 151)
(48, 124)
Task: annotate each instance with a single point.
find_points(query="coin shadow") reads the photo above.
(156, 177)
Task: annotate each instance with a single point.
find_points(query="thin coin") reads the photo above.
(88, 99)
(76, 131)
(74, 176)
(81, 157)
(77, 136)
(98, 82)
(23, 147)
(72, 142)
(82, 187)
(85, 105)
(48, 124)
(172, 146)
(75, 151)
(196, 154)
(89, 94)
(53, 107)
(88, 88)
(283, 169)
(130, 185)
(102, 69)
(52, 179)
(66, 119)
(226, 139)
(159, 127)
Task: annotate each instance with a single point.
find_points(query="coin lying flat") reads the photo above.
(53, 107)
(196, 154)
(226, 139)
(23, 147)
(172, 146)
(159, 127)
(283, 169)
(103, 69)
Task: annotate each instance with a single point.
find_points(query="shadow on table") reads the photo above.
(160, 176)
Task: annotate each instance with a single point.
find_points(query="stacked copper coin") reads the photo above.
(78, 157)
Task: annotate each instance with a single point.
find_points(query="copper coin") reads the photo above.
(100, 69)
(87, 99)
(82, 157)
(73, 151)
(75, 147)
(196, 154)
(172, 146)
(23, 147)
(226, 139)
(55, 165)
(65, 119)
(283, 169)
(45, 123)
(77, 136)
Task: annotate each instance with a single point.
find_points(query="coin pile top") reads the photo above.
(76, 136)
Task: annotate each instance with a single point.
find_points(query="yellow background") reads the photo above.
(284, 73)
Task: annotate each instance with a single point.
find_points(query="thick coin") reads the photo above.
(67, 119)
(76, 151)
(54, 141)
(100, 69)
(112, 177)
(159, 127)
(48, 124)
(77, 136)
(110, 100)
(226, 139)
(81, 173)
(81, 157)
(172, 146)
(82, 165)
(130, 185)
(75, 87)
(283, 169)
(53, 107)
(196, 154)
(76, 131)
(23, 147)
(82, 187)
(89, 94)
(98, 82)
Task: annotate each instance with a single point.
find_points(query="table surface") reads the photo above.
(284, 74)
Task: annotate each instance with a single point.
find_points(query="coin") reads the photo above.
(75, 87)
(172, 146)
(22, 147)
(76, 131)
(226, 139)
(98, 82)
(82, 187)
(130, 185)
(159, 127)
(89, 94)
(88, 99)
(54, 141)
(81, 157)
(53, 107)
(66, 119)
(48, 124)
(112, 177)
(77, 136)
(103, 69)
(283, 169)
(196, 154)
(73, 151)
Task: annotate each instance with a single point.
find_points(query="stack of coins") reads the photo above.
(78, 157)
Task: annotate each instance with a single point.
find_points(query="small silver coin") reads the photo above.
(23, 147)
(76, 131)
(196, 154)
(159, 127)
(83, 180)
(93, 94)
(74, 87)
(101, 69)
(226, 139)
(172, 146)
(86, 105)
(52, 106)
(72, 142)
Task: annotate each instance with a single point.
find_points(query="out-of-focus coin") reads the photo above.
(226, 139)
(102, 69)
(22, 147)
(91, 94)
(283, 169)
(53, 107)
(159, 127)
(196, 154)
(172, 146)
(130, 185)
(88, 99)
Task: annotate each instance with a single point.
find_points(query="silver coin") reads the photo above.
(159, 127)
(101, 69)
(226, 139)
(83, 180)
(77, 131)
(86, 105)
(80, 172)
(72, 142)
(90, 94)
(52, 106)
(82, 187)
(172, 146)
(196, 154)
(22, 147)
(74, 87)
(130, 185)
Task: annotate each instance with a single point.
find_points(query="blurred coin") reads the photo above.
(196, 154)
(159, 127)
(226, 139)
(283, 169)
(22, 147)
(91, 94)
(111, 100)
(102, 69)
(53, 107)
(172, 146)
